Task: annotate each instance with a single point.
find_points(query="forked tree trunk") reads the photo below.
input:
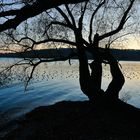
(91, 83)
(118, 79)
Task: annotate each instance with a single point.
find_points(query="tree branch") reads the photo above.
(47, 60)
(71, 16)
(82, 16)
(91, 20)
(56, 40)
(29, 11)
(9, 13)
(121, 24)
(60, 23)
(64, 15)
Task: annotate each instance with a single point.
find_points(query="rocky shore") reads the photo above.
(105, 119)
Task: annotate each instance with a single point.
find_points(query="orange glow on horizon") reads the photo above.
(133, 43)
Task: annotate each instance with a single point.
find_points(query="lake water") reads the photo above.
(55, 82)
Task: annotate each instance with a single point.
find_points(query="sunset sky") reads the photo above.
(132, 42)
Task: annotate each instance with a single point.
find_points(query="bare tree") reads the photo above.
(26, 9)
(83, 25)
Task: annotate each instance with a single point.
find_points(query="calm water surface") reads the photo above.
(55, 82)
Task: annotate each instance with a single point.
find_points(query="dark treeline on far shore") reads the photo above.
(126, 55)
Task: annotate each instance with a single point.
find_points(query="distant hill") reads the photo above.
(126, 55)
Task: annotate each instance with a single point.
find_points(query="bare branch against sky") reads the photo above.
(28, 11)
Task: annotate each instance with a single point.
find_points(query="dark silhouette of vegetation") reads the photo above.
(30, 9)
(90, 27)
(91, 83)
(117, 77)
(65, 25)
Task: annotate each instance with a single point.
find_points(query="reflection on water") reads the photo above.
(131, 88)
(55, 82)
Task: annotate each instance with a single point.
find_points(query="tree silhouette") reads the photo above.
(83, 25)
(29, 9)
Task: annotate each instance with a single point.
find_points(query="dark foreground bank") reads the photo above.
(102, 120)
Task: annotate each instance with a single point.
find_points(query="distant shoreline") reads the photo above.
(121, 55)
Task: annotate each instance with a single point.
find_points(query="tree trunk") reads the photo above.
(117, 79)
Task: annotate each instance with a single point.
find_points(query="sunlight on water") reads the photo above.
(55, 82)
